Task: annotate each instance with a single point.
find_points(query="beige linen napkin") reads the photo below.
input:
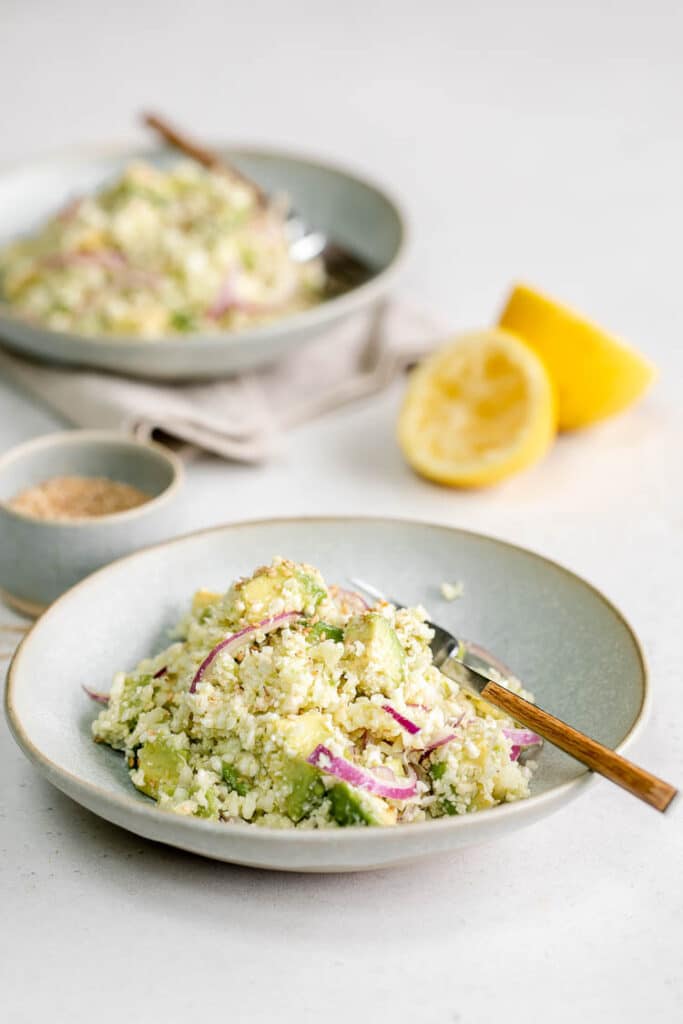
(242, 418)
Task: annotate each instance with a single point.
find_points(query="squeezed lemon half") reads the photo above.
(477, 410)
(595, 374)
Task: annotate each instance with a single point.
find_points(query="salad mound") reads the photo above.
(160, 252)
(288, 703)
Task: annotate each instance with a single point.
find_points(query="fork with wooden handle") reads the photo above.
(345, 268)
(471, 672)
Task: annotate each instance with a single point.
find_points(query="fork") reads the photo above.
(475, 674)
(344, 268)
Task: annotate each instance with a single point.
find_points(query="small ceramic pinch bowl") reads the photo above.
(41, 558)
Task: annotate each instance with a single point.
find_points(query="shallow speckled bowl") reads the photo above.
(351, 210)
(562, 637)
(40, 559)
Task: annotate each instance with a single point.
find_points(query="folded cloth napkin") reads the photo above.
(242, 418)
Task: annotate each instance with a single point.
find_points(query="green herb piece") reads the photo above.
(233, 779)
(324, 631)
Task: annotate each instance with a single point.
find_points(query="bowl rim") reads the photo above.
(69, 438)
(320, 314)
(142, 811)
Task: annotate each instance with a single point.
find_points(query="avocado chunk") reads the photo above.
(352, 807)
(381, 648)
(346, 808)
(301, 735)
(307, 789)
(161, 765)
(304, 592)
(203, 601)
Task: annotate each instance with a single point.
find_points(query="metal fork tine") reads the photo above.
(373, 592)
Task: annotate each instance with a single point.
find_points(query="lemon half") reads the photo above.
(477, 410)
(595, 374)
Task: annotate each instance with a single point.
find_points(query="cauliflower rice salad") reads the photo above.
(287, 703)
(160, 252)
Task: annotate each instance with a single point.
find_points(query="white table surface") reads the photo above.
(540, 142)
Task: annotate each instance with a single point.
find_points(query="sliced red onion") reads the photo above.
(355, 601)
(161, 672)
(423, 707)
(101, 698)
(521, 738)
(327, 762)
(108, 259)
(228, 298)
(404, 722)
(442, 740)
(237, 640)
(68, 212)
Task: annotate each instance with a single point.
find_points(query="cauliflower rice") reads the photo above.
(322, 713)
(160, 252)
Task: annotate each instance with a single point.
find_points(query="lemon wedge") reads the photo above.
(595, 374)
(477, 411)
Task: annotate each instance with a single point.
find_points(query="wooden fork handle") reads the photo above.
(629, 776)
(199, 153)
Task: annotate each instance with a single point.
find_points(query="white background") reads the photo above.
(528, 141)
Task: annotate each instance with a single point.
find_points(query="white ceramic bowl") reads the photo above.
(558, 634)
(40, 559)
(353, 211)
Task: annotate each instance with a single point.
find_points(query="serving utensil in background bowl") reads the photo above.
(345, 268)
(359, 216)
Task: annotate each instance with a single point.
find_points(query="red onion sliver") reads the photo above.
(404, 722)
(442, 740)
(109, 259)
(161, 672)
(226, 297)
(355, 601)
(234, 642)
(327, 762)
(101, 698)
(522, 737)
(69, 211)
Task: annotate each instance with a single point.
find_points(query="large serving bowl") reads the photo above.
(355, 213)
(559, 635)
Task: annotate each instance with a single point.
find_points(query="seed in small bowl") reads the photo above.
(77, 497)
